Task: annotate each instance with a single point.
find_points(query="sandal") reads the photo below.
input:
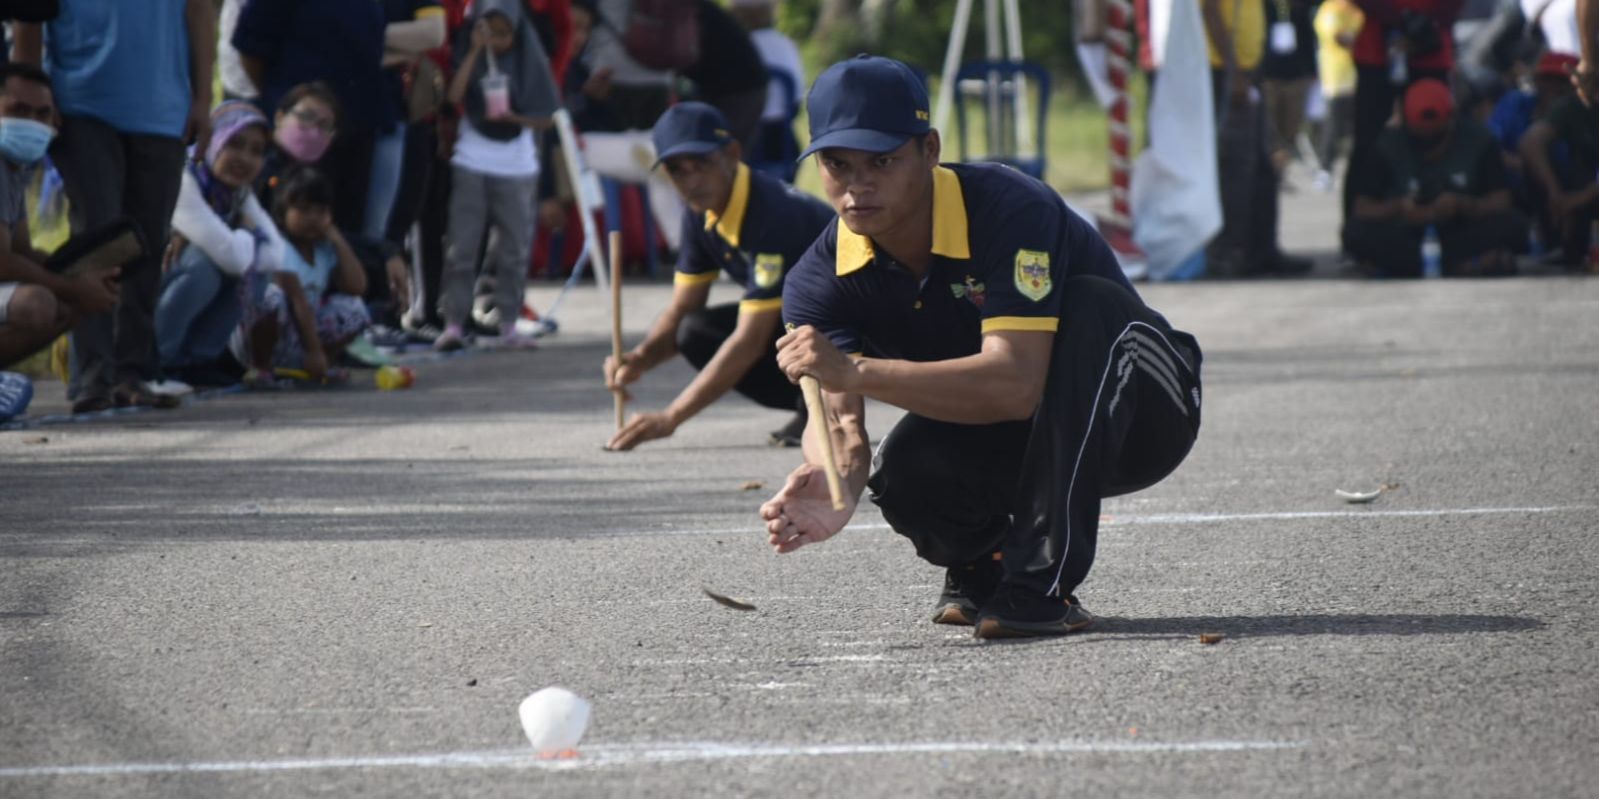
(131, 395)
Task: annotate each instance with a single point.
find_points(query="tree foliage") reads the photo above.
(917, 31)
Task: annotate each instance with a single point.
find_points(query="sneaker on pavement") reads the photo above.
(450, 340)
(966, 589)
(513, 339)
(16, 391)
(1015, 611)
(791, 434)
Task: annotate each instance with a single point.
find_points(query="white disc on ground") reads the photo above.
(554, 719)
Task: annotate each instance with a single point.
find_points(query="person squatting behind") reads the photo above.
(753, 227)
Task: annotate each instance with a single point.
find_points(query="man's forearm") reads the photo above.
(852, 449)
(737, 355)
(202, 18)
(978, 389)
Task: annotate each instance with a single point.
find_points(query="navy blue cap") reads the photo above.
(689, 129)
(866, 103)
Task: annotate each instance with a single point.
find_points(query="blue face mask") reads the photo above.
(24, 140)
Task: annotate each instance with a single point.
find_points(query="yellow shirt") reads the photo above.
(1337, 67)
(1246, 21)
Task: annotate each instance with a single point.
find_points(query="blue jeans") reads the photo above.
(388, 154)
(197, 313)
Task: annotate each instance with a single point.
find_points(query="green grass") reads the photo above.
(1078, 131)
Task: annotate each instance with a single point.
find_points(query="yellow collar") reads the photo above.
(731, 220)
(949, 227)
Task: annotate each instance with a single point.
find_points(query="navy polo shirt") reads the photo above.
(764, 230)
(1003, 243)
(336, 41)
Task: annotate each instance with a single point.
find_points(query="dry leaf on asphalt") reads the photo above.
(754, 485)
(727, 601)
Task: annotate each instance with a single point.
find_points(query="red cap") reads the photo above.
(1555, 65)
(1428, 106)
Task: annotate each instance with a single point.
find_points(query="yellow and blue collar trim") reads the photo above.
(728, 223)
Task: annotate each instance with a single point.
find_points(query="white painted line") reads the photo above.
(1211, 518)
(621, 755)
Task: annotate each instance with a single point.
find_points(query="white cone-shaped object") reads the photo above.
(554, 719)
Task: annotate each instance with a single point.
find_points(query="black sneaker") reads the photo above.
(1016, 611)
(967, 588)
(791, 434)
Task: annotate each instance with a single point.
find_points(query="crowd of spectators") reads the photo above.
(268, 188)
(1468, 151)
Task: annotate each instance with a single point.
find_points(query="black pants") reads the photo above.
(701, 334)
(1120, 411)
(1375, 96)
(109, 174)
(1394, 248)
(1247, 243)
(348, 165)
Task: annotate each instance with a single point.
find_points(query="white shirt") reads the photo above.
(780, 55)
(231, 249)
(235, 81)
(516, 158)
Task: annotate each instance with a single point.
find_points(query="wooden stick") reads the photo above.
(824, 436)
(616, 317)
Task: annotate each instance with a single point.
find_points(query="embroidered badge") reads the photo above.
(768, 269)
(970, 290)
(1032, 274)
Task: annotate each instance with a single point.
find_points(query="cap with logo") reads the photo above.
(1428, 106)
(867, 103)
(689, 129)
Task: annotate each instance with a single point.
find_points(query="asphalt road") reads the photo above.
(347, 592)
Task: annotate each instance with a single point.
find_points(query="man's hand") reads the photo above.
(197, 130)
(399, 283)
(1413, 213)
(802, 513)
(1239, 89)
(316, 364)
(480, 35)
(619, 375)
(174, 249)
(641, 428)
(1585, 78)
(94, 292)
(805, 351)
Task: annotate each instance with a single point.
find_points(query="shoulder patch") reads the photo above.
(1032, 274)
(768, 269)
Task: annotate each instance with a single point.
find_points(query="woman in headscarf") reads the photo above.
(503, 79)
(221, 235)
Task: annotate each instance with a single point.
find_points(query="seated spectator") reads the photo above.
(1571, 195)
(1438, 171)
(304, 125)
(36, 305)
(634, 96)
(312, 308)
(495, 168)
(220, 233)
(1517, 110)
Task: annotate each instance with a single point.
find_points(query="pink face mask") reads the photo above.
(303, 144)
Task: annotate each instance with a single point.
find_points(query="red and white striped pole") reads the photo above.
(1117, 228)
